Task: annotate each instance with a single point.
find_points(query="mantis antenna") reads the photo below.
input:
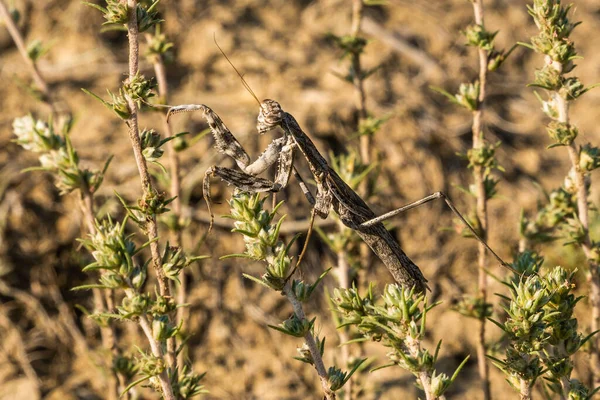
(246, 85)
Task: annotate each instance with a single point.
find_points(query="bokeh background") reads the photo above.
(282, 49)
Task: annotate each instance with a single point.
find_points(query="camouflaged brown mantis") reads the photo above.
(332, 192)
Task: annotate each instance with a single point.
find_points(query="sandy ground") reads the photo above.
(282, 49)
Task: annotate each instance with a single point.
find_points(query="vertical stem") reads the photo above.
(147, 185)
(156, 348)
(424, 376)
(312, 345)
(593, 275)
(361, 101)
(525, 390)
(343, 273)
(482, 215)
(175, 236)
(117, 382)
(134, 136)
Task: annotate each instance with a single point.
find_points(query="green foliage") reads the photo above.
(261, 238)
(36, 49)
(467, 96)
(58, 155)
(541, 329)
(478, 36)
(116, 13)
(563, 134)
(159, 47)
(398, 321)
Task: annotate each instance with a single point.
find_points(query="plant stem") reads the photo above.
(583, 214)
(482, 215)
(147, 185)
(155, 345)
(358, 81)
(312, 345)
(117, 382)
(175, 236)
(343, 274)
(424, 376)
(525, 390)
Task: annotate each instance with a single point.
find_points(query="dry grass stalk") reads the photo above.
(148, 188)
(482, 214)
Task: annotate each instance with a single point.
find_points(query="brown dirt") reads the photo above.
(281, 48)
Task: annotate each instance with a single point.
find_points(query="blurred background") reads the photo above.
(283, 49)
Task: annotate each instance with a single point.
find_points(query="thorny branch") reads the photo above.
(482, 215)
(312, 345)
(148, 188)
(175, 192)
(583, 214)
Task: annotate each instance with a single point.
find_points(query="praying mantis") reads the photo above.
(332, 193)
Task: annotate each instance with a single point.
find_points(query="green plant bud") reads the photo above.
(150, 365)
(119, 105)
(560, 367)
(134, 306)
(147, 17)
(149, 138)
(173, 261)
(294, 326)
(527, 263)
(548, 78)
(163, 305)
(162, 329)
(349, 44)
(159, 46)
(589, 157)
(154, 203)
(116, 12)
(336, 378)
(304, 354)
(439, 383)
(257, 251)
(550, 108)
(563, 134)
(139, 89)
(138, 277)
(35, 135)
(112, 280)
(573, 88)
(477, 36)
(302, 291)
(468, 95)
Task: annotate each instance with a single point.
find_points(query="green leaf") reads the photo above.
(237, 255)
(257, 280)
(89, 287)
(134, 383)
(96, 6)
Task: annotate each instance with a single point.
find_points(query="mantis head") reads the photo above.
(269, 117)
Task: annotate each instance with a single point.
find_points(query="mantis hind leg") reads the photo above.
(427, 199)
